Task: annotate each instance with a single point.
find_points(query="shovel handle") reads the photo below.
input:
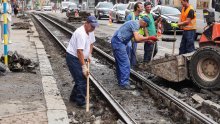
(174, 42)
(87, 90)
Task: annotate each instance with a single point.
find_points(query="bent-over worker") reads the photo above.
(119, 41)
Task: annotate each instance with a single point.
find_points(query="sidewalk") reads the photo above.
(27, 98)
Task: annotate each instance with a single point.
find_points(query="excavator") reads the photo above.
(201, 66)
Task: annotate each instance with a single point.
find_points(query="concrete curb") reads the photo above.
(56, 109)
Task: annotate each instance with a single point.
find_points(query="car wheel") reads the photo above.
(95, 14)
(117, 19)
(98, 17)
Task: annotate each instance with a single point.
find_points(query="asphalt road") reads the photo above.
(106, 30)
(164, 47)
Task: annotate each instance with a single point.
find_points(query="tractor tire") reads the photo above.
(204, 67)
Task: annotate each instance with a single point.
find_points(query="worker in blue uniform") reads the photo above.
(119, 41)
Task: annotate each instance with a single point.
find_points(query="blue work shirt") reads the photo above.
(125, 32)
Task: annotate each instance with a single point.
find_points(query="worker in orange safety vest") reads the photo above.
(188, 24)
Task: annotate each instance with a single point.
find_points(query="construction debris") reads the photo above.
(18, 63)
(3, 69)
(84, 15)
(81, 17)
(198, 98)
(23, 16)
(21, 25)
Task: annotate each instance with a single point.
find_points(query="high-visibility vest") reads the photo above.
(183, 17)
(141, 30)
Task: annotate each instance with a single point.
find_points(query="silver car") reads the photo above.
(102, 9)
(118, 12)
(168, 15)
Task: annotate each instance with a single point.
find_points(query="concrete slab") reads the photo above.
(45, 67)
(52, 94)
(38, 43)
(57, 117)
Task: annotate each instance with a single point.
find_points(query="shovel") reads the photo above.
(87, 90)
(174, 42)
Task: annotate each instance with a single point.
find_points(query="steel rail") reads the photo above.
(190, 110)
(122, 113)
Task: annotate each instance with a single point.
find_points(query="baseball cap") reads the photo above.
(93, 21)
(145, 18)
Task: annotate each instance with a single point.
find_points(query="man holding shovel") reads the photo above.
(188, 24)
(79, 49)
(149, 47)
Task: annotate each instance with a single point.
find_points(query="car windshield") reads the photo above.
(170, 11)
(122, 6)
(106, 5)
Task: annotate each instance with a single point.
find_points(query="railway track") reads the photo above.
(174, 104)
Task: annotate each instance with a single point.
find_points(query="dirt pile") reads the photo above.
(18, 63)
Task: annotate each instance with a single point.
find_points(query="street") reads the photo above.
(106, 30)
(164, 47)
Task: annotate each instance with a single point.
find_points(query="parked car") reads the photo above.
(168, 15)
(71, 9)
(64, 6)
(102, 9)
(47, 8)
(37, 8)
(118, 12)
(130, 8)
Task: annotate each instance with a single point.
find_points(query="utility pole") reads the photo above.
(5, 30)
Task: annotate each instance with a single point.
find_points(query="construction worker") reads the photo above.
(119, 42)
(151, 28)
(132, 46)
(80, 48)
(188, 24)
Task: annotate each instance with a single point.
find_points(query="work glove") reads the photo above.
(174, 25)
(153, 38)
(85, 70)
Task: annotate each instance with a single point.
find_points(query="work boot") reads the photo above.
(128, 87)
(84, 106)
(143, 65)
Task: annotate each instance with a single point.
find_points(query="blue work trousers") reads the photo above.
(79, 90)
(131, 51)
(121, 61)
(187, 42)
(148, 49)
